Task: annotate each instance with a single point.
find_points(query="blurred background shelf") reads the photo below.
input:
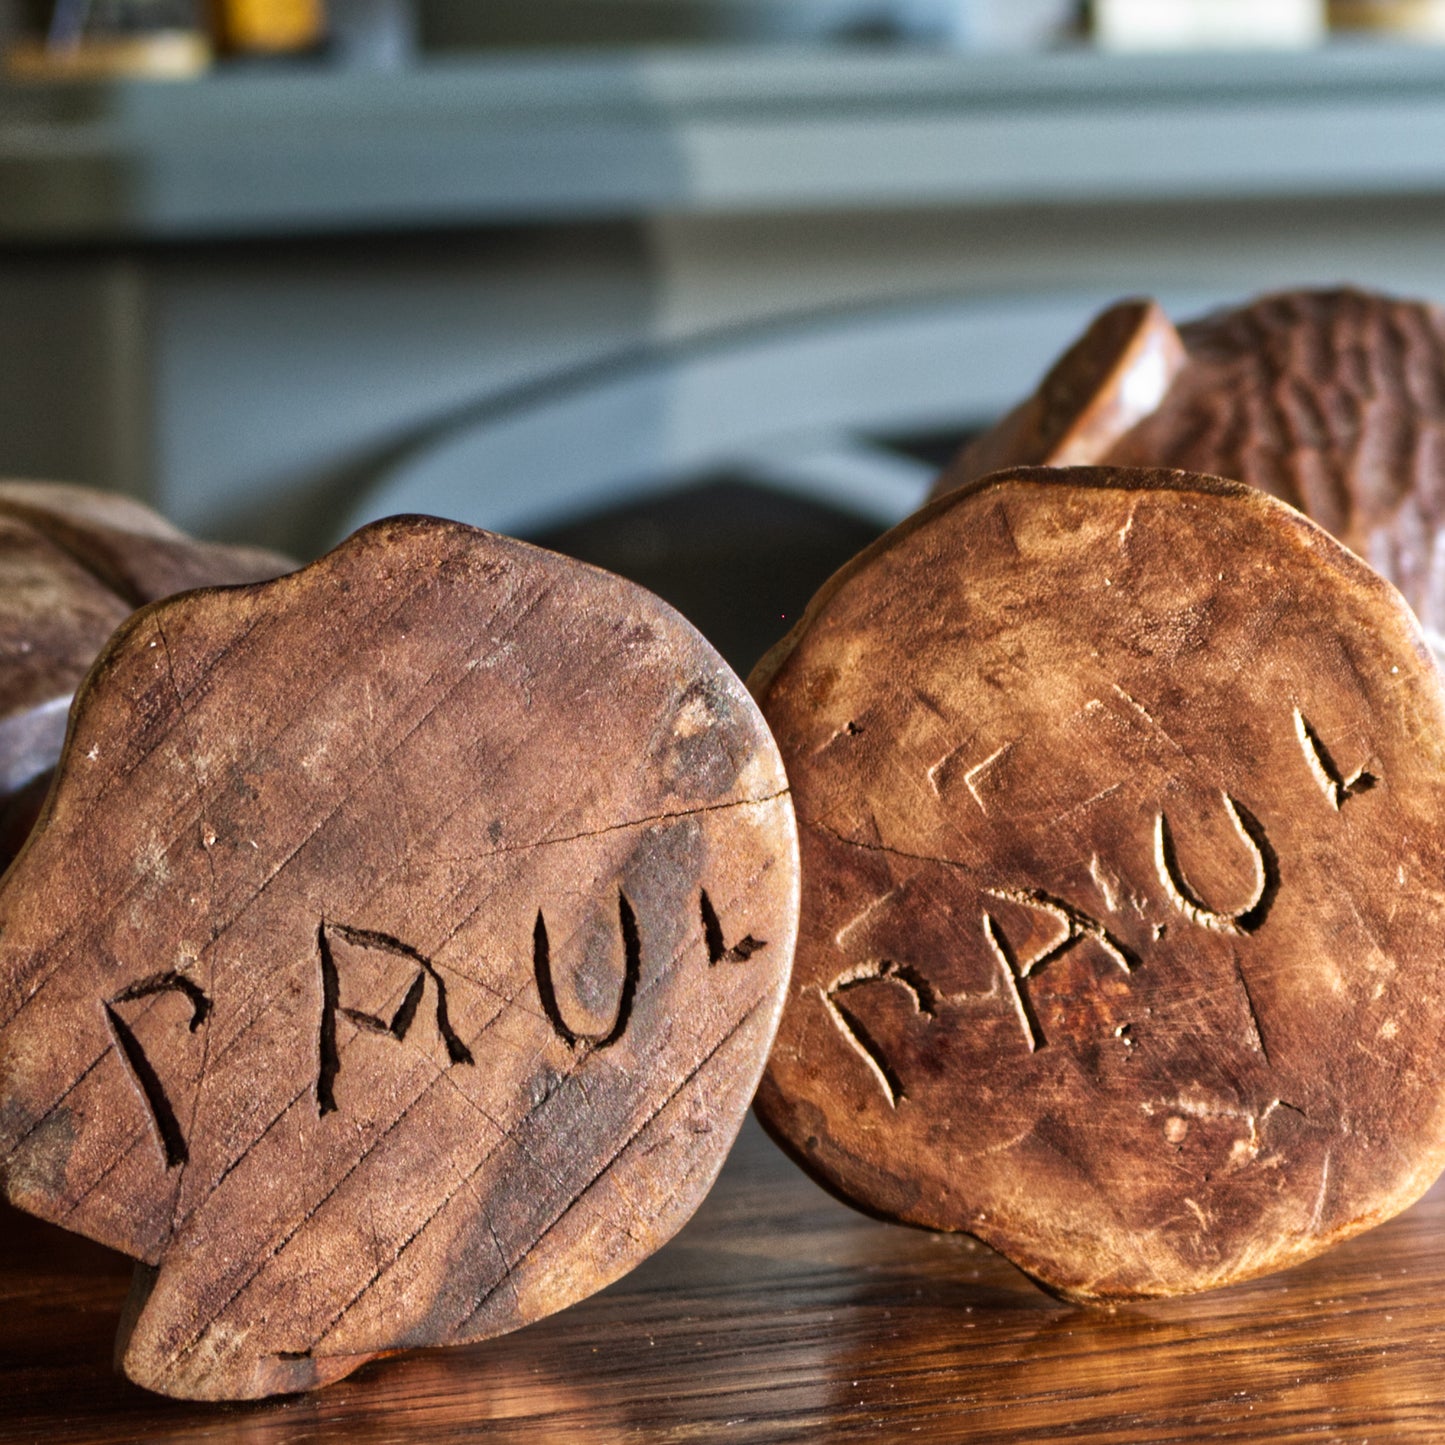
(548, 137)
(521, 286)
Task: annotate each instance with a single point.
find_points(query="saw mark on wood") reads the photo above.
(202, 688)
(1255, 910)
(125, 895)
(501, 1255)
(1336, 787)
(631, 973)
(506, 1000)
(312, 1210)
(382, 760)
(599, 1172)
(510, 1136)
(973, 774)
(40, 1119)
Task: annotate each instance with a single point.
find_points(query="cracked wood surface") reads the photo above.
(396, 957)
(1121, 799)
(1333, 401)
(74, 563)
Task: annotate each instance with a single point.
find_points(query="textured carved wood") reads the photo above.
(134, 551)
(397, 957)
(73, 564)
(1113, 376)
(1333, 401)
(1122, 805)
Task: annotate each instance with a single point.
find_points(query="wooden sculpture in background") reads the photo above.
(1122, 806)
(1112, 377)
(1333, 401)
(74, 563)
(397, 955)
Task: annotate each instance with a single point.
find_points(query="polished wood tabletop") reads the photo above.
(780, 1314)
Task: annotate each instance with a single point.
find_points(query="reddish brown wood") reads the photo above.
(73, 564)
(1122, 799)
(397, 956)
(1112, 377)
(129, 548)
(778, 1315)
(1333, 401)
(54, 618)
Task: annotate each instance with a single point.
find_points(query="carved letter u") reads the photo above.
(631, 971)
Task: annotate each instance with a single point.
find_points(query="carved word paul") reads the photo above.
(424, 1005)
(1074, 926)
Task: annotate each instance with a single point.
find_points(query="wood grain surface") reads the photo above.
(1333, 401)
(1108, 381)
(1122, 802)
(778, 1314)
(130, 548)
(74, 563)
(396, 957)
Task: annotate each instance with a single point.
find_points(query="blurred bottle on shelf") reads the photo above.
(365, 34)
(65, 39)
(993, 25)
(1207, 24)
(1409, 19)
(268, 28)
(373, 34)
(967, 24)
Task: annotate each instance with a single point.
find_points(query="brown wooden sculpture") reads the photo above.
(73, 564)
(1113, 376)
(1333, 401)
(397, 956)
(1122, 806)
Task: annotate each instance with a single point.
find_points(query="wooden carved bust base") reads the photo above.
(1122, 806)
(74, 563)
(397, 956)
(1333, 401)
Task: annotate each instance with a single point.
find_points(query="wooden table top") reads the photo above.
(780, 1314)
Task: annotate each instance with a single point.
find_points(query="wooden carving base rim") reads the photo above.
(1130, 879)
